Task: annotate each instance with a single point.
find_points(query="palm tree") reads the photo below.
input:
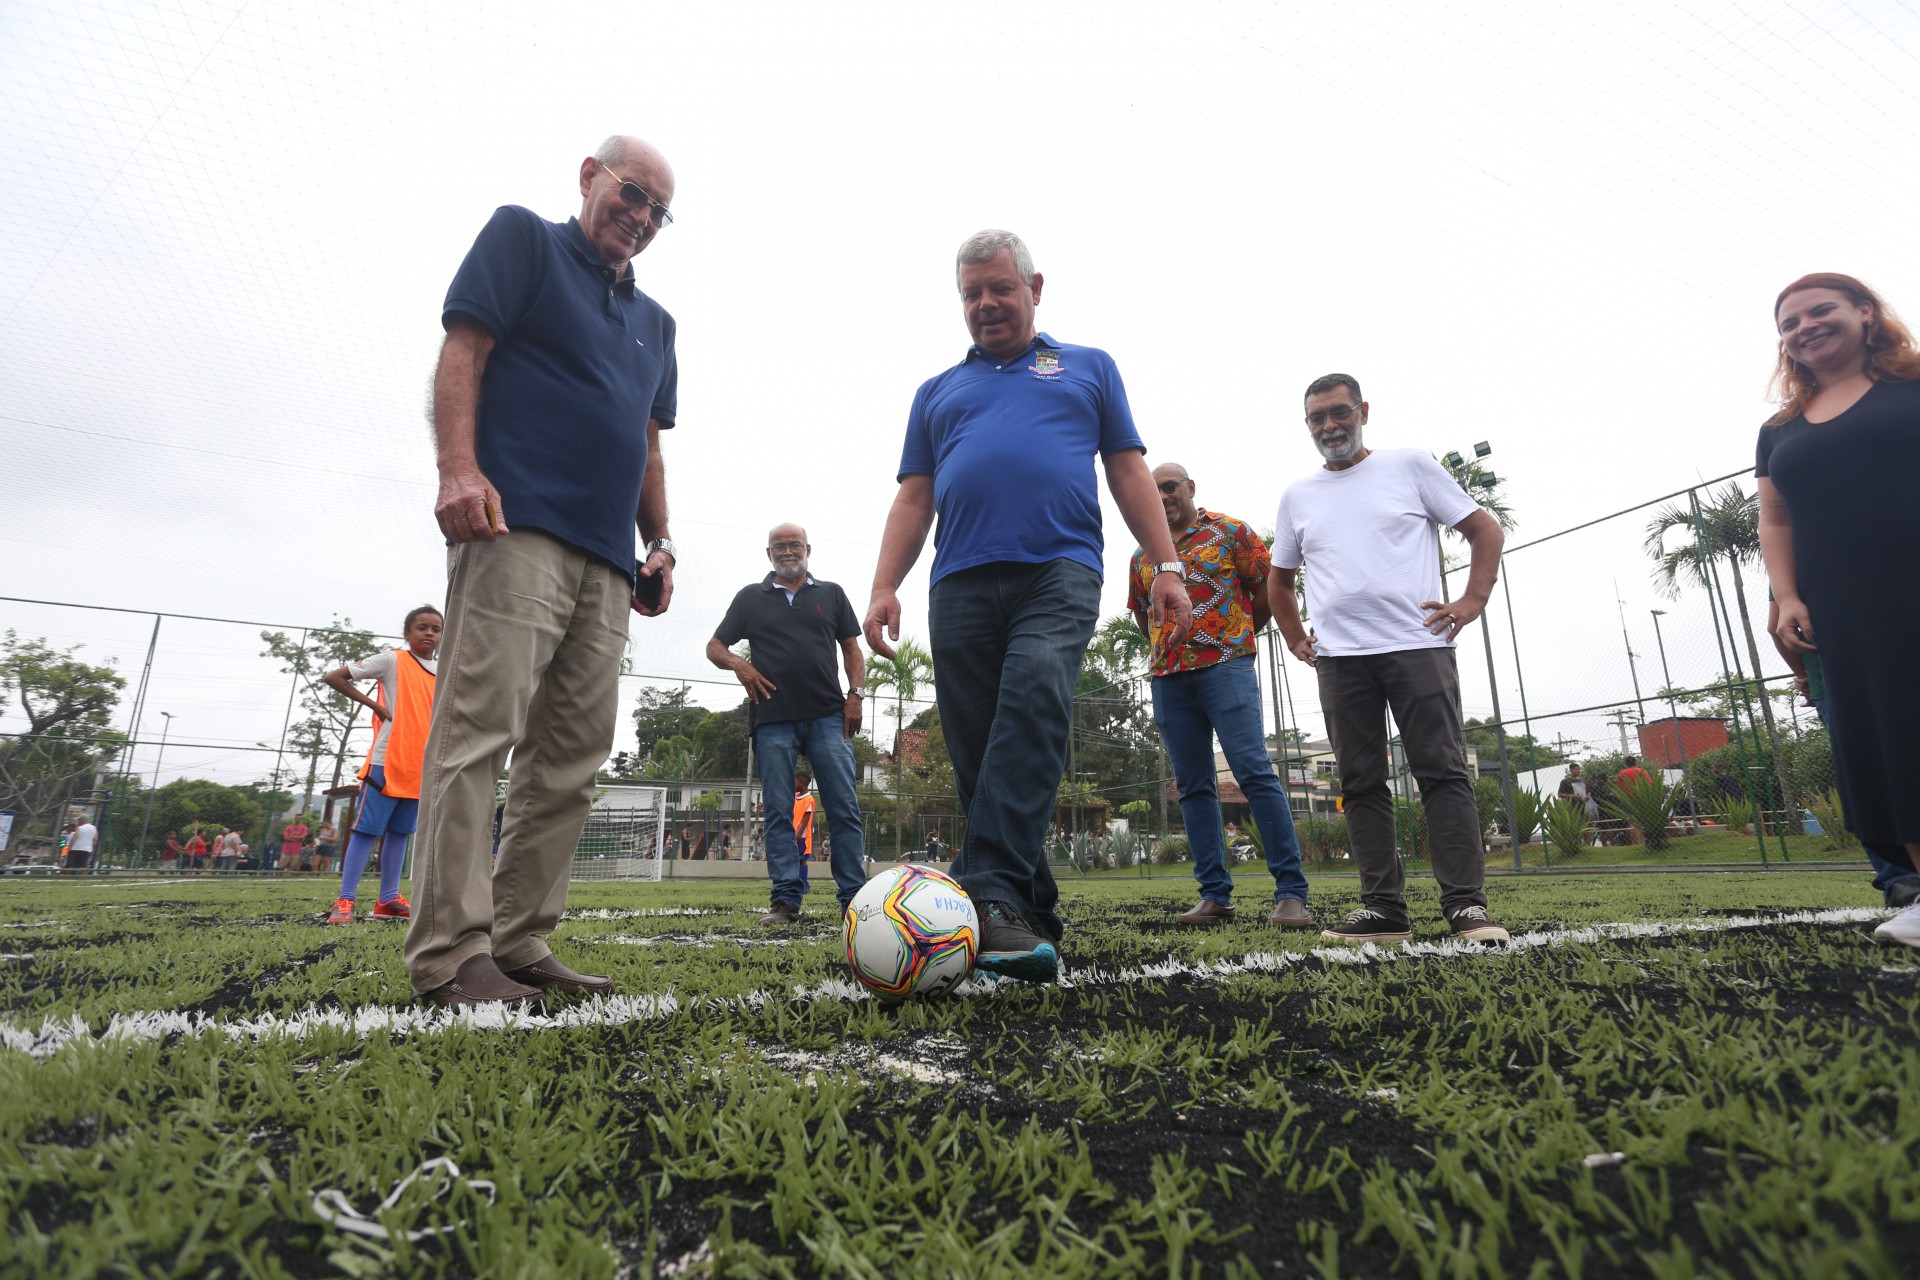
(1726, 527)
(910, 667)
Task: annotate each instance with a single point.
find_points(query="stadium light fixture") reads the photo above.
(1482, 449)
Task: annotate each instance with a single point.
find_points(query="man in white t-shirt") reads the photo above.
(80, 846)
(1367, 526)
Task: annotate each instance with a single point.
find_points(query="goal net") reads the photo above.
(622, 840)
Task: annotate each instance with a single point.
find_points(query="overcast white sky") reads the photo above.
(229, 229)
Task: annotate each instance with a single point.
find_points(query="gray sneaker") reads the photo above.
(1473, 924)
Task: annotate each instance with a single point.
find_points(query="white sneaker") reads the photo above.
(1903, 930)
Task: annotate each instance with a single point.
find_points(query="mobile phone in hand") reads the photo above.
(646, 587)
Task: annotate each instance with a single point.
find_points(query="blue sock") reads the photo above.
(353, 864)
(393, 856)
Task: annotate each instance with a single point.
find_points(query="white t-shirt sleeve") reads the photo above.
(1440, 493)
(383, 666)
(1286, 539)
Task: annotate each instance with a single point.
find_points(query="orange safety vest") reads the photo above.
(412, 705)
(803, 808)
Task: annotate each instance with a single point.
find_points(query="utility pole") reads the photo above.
(1631, 669)
(1623, 718)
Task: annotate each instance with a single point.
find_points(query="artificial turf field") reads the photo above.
(199, 1079)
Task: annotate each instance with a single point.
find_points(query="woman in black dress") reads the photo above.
(1839, 477)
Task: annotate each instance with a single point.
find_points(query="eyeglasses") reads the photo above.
(636, 195)
(1339, 413)
(777, 547)
(1171, 487)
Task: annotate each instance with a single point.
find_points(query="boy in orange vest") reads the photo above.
(389, 802)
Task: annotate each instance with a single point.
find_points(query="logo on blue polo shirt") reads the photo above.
(1046, 364)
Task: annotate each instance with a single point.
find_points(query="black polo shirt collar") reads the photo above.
(577, 241)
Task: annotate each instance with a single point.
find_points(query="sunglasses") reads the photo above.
(1171, 487)
(1339, 413)
(636, 196)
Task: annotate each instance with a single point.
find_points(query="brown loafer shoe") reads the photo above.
(478, 982)
(1207, 911)
(781, 913)
(554, 978)
(1290, 913)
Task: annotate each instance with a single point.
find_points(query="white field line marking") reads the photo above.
(641, 913)
(52, 1036)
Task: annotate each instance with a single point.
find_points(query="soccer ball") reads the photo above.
(911, 932)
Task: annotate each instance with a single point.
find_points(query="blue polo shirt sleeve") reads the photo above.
(496, 282)
(666, 399)
(1117, 432)
(916, 456)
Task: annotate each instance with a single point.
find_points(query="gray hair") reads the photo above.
(983, 246)
(612, 149)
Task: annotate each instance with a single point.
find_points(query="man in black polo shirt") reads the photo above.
(792, 623)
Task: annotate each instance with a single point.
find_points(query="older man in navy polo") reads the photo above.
(793, 624)
(1001, 449)
(556, 378)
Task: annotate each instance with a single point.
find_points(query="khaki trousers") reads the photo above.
(530, 663)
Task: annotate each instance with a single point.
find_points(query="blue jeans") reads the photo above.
(1224, 699)
(1007, 643)
(825, 743)
(1890, 864)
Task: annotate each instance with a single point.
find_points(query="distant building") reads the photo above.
(1661, 741)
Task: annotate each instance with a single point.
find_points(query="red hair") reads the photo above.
(1891, 356)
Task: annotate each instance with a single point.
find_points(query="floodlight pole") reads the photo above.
(1632, 670)
(1482, 450)
(1673, 710)
(159, 756)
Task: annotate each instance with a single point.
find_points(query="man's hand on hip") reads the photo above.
(469, 508)
(883, 613)
(1450, 618)
(758, 687)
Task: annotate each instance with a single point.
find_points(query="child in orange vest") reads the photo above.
(389, 802)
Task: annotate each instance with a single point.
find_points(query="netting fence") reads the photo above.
(1640, 633)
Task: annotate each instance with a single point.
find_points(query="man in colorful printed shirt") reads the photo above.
(1206, 687)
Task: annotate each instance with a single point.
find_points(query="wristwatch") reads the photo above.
(857, 693)
(1169, 566)
(666, 545)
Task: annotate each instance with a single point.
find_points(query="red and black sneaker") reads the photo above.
(342, 911)
(398, 909)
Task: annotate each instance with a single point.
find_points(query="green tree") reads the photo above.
(64, 738)
(1522, 751)
(910, 667)
(328, 717)
(1723, 525)
(664, 713)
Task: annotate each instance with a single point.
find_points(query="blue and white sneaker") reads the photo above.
(1011, 948)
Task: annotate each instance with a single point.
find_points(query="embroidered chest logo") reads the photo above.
(1046, 364)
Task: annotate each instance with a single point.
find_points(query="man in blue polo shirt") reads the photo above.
(794, 624)
(1001, 449)
(556, 378)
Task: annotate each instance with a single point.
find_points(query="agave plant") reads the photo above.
(1833, 820)
(1528, 809)
(1646, 804)
(1566, 824)
(1738, 815)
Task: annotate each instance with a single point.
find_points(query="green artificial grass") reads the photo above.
(1195, 1103)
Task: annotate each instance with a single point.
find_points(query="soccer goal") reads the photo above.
(623, 836)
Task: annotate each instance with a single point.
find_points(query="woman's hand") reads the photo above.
(1795, 627)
